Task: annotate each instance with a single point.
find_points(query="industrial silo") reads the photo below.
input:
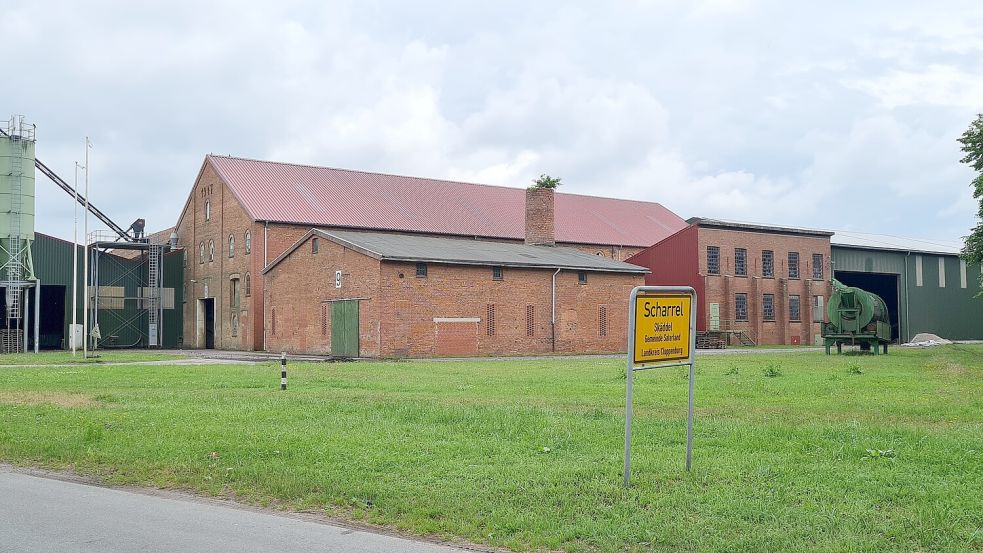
(16, 229)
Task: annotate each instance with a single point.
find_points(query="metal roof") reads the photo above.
(327, 197)
(866, 240)
(463, 251)
(755, 227)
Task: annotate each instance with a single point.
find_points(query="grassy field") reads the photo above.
(792, 452)
(66, 357)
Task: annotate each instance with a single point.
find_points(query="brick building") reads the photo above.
(242, 214)
(370, 294)
(756, 283)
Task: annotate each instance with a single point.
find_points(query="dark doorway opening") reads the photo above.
(884, 285)
(51, 333)
(209, 306)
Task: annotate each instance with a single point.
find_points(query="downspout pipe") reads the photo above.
(553, 309)
(907, 316)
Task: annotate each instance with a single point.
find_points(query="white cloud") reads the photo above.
(754, 110)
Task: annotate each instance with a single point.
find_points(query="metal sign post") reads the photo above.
(661, 333)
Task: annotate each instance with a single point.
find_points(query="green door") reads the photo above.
(344, 328)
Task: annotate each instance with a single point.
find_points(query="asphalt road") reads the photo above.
(39, 515)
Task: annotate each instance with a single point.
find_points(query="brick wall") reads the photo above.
(520, 303)
(617, 253)
(299, 291)
(211, 278)
(446, 313)
(722, 288)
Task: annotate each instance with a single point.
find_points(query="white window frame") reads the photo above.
(962, 273)
(918, 271)
(941, 271)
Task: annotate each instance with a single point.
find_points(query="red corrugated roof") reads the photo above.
(322, 196)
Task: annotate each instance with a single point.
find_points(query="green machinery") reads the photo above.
(856, 317)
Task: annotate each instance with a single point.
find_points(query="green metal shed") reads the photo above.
(122, 322)
(926, 286)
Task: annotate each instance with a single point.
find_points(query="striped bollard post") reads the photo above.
(283, 370)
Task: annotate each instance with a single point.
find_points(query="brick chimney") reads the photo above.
(539, 217)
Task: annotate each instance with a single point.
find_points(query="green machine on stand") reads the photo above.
(856, 317)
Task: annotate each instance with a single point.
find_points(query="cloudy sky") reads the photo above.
(818, 114)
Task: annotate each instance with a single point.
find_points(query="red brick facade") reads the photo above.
(244, 323)
(723, 287)
(455, 310)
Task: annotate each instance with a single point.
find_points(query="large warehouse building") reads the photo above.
(243, 214)
(757, 284)
(925, 284)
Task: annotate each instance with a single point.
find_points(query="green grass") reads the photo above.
(792, 452)
(66, 357)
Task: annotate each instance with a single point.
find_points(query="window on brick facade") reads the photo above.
(713, 260)
(184, 257)
(818, 312)
(208, 210)
(273, 321)
(211, 251)
(794, 308)
(768, 307)
(248, 286)
(582, 277)
(490, 319)
(315, 245)
(530, 320)
(234, 292)
(201, 252)
(421, 270)
(247, 242)
(235, 324)
(768, 264)
(817, 266)
(740, 307)
(793, 264)
(497, 273)
(232, 246)
(740, 261)
(602, 321)
(324, 319)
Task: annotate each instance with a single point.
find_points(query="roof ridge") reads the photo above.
(382, 174)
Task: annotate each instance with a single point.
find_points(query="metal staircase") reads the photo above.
(13, 281)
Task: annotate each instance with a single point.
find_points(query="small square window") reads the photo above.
(497, 273)
(315, 246)
(421, 270)
(582, 277)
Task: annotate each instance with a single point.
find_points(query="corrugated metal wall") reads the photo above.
(950, 311)
(124, 327)
(675, 262)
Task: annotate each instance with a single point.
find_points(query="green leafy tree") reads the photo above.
(972, 146)
(546, 181)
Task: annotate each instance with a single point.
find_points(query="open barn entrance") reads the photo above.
(51, 334)
(884, 285)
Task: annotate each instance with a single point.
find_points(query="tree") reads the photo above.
(972, 146)
(546, 181)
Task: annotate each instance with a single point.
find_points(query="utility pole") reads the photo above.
(75, 260)
(85, 270)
